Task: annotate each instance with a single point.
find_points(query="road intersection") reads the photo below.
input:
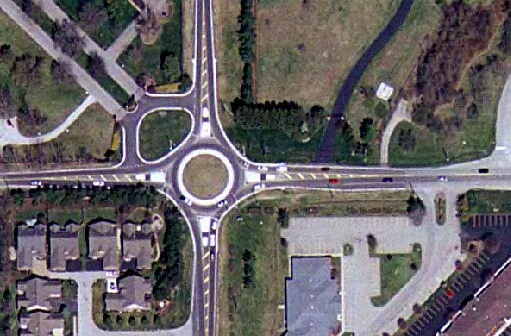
(203, 94)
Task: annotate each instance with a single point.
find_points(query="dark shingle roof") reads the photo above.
(103, 244)
(137, 245)
(31, 244)
(134, 292)
(63, 245)
(38, 293)
(40, 324)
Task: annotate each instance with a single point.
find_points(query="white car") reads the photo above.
(205, 241)
(282, 168)
(221, 203)
(188, 202)
(442, 179)
(259, 186)
(212, 256)
(36, 183)
(214, 224)
(262, 168)
(98, 183)
(212, 240)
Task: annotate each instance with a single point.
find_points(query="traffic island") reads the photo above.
(205, 176)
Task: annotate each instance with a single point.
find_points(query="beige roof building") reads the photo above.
(42, 324)
(31, 244)
(104, 244)
(63, 245)
(137, 247)
(38, 293)
(134, 294)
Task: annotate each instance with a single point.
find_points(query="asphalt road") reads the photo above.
(204, 94)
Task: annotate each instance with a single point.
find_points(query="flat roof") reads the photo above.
(312, 299)
(485, 314)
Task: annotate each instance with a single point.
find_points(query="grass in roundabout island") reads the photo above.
(161, 131)
(205, 176)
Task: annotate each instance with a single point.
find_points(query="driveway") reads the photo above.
(86, 325)
(402, 113)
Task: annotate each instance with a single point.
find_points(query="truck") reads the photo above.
(204, 223)
(151, 177)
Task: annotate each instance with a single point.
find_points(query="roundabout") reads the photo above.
(205, 176)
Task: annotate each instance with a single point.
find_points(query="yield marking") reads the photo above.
(116, 178)
(289, 176)
(301, 176)
(313, 175)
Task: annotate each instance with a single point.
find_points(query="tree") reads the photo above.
(7, 106)
(27, 69)
(367, 130)
(171, 69)
(283, 217)
(96, 67)
(66, 37)
(371, 242)
(491, 243)
(91, 16)
(61, 73)
(415, 208)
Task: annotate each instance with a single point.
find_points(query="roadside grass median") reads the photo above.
(162, 130)
(395, 271)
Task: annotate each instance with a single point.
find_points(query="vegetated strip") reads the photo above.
(326, 151)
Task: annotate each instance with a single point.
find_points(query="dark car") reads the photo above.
(387, 179)
(325, 169)
(484, 170)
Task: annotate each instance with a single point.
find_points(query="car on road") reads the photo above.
(244, 164)
(484, 170)
(188, 201)
(205, 241)
(442, 178)
(282, 168)
(221, 203)
(36, 183)
(214, 223)
(98, 183)
(387, 179)
(212, 240)
(262, 168)
(212, 256)
(334, 181)
(259, 186)
(325, 169)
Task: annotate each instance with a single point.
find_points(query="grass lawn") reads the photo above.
(205, 176)
(396, 60)
(119, 13)
(256, 311)
(162, 130)
(141, 58)
(88, 140)
(427, 150)
(273, 145)
(53, 101)
(486, 201)
(395, 271)
(297, 60)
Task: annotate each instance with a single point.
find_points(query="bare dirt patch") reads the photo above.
(205, 176)
(305, 48)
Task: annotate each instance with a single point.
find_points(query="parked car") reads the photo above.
(262, 168)
(212, 240)
(259, 186)
(442, 178)
(98, 183)
(282, 168)
(205, 241)
(387, 179)
(221, 203)
(334, 181)
(36, 183)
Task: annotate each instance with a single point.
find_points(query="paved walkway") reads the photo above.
(402, 113)
(113, 69)
(123, 41)
(11, 135)
(80, 75)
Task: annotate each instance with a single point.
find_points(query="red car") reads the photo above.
(334, 181)
(449, 292)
